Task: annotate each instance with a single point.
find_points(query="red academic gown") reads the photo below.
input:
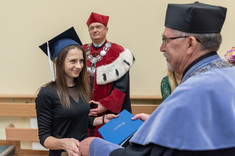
(111, 78)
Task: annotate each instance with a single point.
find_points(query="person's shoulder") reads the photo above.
(116, 51)
(47, 91)
(165, 78)
(48, 87)
(117, 48)
(46, 96)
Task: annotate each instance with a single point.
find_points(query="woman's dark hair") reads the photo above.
(81, 82)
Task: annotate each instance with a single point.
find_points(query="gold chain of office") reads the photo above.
(99, 57)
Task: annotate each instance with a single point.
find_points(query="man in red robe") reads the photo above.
(108, 67)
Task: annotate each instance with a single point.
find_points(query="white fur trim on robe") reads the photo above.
(115, 70)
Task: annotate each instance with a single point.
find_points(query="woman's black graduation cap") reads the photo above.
(195, 18)
(58, 43)
(54, 46)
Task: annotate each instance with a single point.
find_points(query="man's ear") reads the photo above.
(192, 42)
(107, 29)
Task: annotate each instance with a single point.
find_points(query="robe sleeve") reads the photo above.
(100, 147)
(152, 150)
(116, 99)
(135, 150)
(90, 121)
(156, 150)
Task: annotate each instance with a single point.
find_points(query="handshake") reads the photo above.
(72, 146)
(76, 148)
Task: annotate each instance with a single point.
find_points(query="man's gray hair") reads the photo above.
(208, 41)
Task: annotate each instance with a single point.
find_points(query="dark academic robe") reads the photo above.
(110, 77)
(196, 119)
(156, 150)
(109, 149)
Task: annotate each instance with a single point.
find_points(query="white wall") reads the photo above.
(135, 24)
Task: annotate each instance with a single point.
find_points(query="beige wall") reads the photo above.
(135, 24)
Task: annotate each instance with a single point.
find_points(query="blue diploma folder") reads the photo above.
(121, 128)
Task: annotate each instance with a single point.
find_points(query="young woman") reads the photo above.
(62, 105)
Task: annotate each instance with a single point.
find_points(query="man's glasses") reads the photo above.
(164, 39)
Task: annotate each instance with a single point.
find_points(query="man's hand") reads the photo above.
(85, 145)
(95, 111)
(141, 116)
(108, 117)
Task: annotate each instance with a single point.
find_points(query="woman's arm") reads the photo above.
(70, 145)
(103, 119)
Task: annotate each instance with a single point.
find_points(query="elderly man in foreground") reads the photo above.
(198, 117)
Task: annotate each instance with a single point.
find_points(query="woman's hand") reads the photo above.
(108, 117)
(71, 146)
(141, 116)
